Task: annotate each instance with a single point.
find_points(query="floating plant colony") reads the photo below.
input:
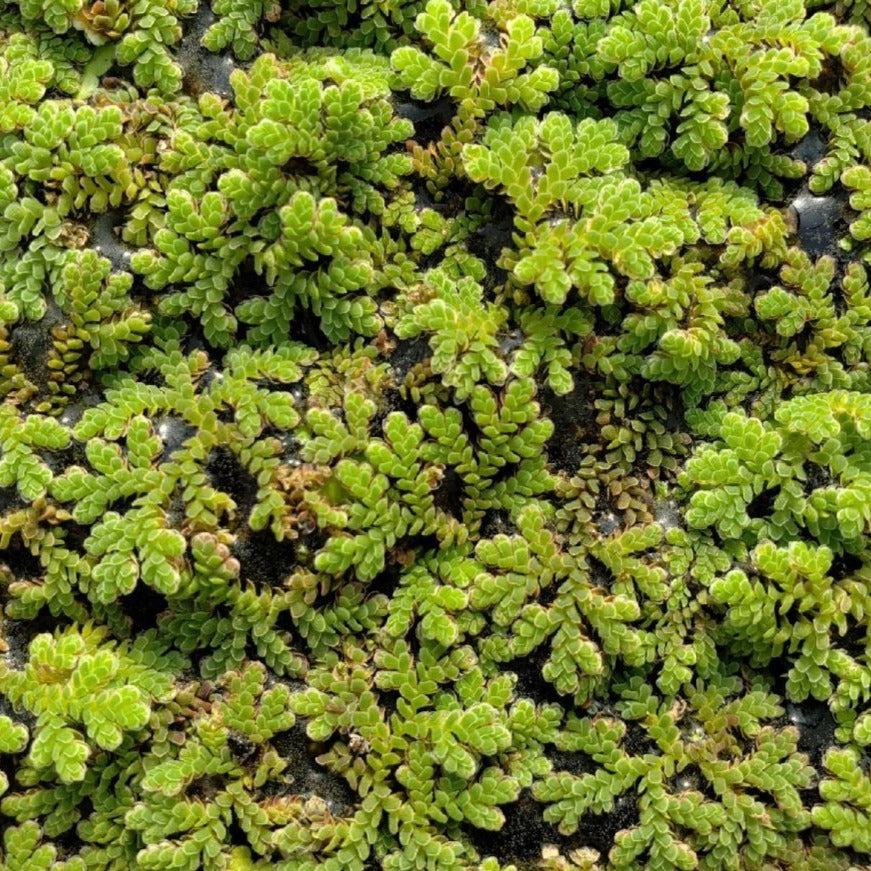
(435, 435)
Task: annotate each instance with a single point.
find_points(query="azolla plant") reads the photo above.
(435, 435)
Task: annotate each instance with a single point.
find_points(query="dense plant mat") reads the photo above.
(435, 434)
